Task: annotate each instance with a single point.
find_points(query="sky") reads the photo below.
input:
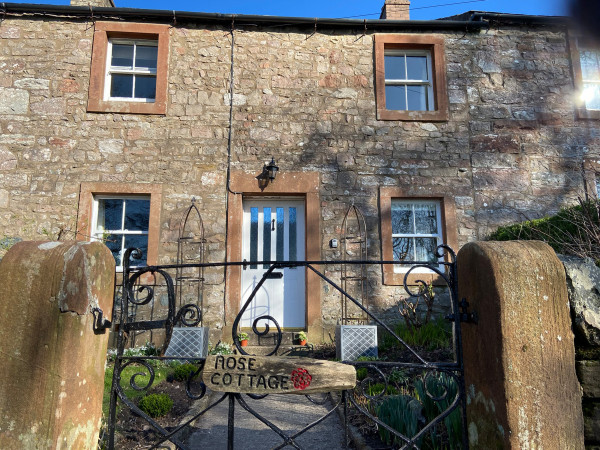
(356, 9)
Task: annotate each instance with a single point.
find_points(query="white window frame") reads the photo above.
(98, 233)
(128, 70)
(430, 100)
(400, 268)
(587, 81)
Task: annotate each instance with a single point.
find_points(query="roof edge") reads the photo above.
(469, 21)
(510, 19)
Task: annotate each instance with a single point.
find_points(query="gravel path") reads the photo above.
(288, 412)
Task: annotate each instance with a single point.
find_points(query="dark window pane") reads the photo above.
(253, 236)
(426, 249)
(112, 210)
(139, 241)
(426, 218)
(417, 98)
(395, 98)
(122, 55)
(279, 251)
(292, 233)
(145, 86)
(137, 215)
(403, 248)
(402, 220)
(145, 57)
(266, 236)
(416, 67)
(394, 68)
(114, 242)
(121, 86)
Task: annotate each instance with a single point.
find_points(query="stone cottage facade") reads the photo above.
(113, 120)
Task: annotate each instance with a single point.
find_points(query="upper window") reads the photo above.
(411, 230)
(410, 78)
(129, 68)
(586, 73)
(408, 81)
(121, 223)
(590, 78)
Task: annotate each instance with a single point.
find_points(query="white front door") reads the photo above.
(273, 230)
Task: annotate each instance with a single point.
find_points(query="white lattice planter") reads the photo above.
(188, 343)
(354, 341)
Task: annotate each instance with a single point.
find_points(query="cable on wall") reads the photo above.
(229, 142)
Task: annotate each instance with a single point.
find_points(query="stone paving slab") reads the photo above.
(290, 413)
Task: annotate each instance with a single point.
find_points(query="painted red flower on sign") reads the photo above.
(301, 378)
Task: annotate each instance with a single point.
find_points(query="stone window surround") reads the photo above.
(581, 111)
(103, 31)
(304, 184)
(433, 44)
(449, 231)
(86, 205)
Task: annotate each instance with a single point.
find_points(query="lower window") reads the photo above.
(121, 223)
(122, 215)
(416, 231)
(412, 227)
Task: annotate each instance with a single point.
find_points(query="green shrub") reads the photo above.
(361, 373)
(402, 413)
(398, 376)
(366, 358)
(438, 386)
(183, 371)
(573, 231)
(161, 372)
(377, 389)
(156, 405)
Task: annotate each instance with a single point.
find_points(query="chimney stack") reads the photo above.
(395, 10)
(104, 3)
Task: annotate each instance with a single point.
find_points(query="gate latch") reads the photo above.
(101, 324)
(464, 314)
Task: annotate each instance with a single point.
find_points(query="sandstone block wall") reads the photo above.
(511, 147)
(522, 389)
(52, 375)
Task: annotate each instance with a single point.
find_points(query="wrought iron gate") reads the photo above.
(412, 400)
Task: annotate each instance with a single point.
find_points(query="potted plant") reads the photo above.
(302, 338)
(243, 338)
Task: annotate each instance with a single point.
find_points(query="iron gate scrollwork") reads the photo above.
(430, 394)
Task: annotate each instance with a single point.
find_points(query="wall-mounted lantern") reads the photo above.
(271, 170)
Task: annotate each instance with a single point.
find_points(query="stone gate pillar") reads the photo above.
(519, 358)
(52, 370)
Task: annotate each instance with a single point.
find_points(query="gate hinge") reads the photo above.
(100, 323)
(464, 314)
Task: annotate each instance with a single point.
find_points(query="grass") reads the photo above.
(160, 374)
(430, 336)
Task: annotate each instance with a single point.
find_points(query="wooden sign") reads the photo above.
(275, 375)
